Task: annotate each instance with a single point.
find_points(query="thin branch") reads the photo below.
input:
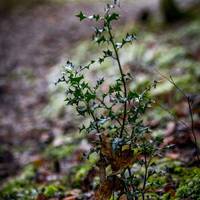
(132, 184)
(171, 80)
(145, 177)
(173, 116)
(122, 76)
(126, 188)
(192, 128)
(95, 120)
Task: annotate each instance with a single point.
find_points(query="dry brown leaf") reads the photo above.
(169, 188)
(105, 191)
(117, 183)
(41, 197)
(123, 197)
(106, 147)
(173, 155)
(37, 160)
(122, 161)
(171, 127)
(112, 183)
(117, 160)
(102, 173)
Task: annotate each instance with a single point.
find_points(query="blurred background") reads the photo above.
(38, 36)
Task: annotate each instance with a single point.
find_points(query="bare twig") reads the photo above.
(145, 177)
(171, 80)
(174, 117)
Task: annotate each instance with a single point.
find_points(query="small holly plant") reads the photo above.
(124, 145)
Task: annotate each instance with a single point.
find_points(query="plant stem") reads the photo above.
(95, 120)
(132, 184)
(122, 77)
(145, 177)
(191, 116)
(128, 192)
(192, 128)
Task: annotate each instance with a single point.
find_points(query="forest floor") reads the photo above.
(41, 149)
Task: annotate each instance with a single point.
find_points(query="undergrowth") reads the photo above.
(122, 142)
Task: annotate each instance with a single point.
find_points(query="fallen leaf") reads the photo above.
(106, 147)
(37, 160)
(41, 197)
(123, 197)
(122, 161)
(171, 126)
(73, 194)
(104, 191)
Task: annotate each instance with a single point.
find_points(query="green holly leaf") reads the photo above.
(76, 80)
(89, 96)
(112, 17)
(107, 53)
(130, 37)
(100, 39)
(81, 16)
(96, 17)
(101, 60)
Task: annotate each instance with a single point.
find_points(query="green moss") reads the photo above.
(53, 190)
(59, 152)
(80, 172)
(190, 185)
(20, 188)
(186, 179)
(167, 196)
(156, 182)
(24, 187)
